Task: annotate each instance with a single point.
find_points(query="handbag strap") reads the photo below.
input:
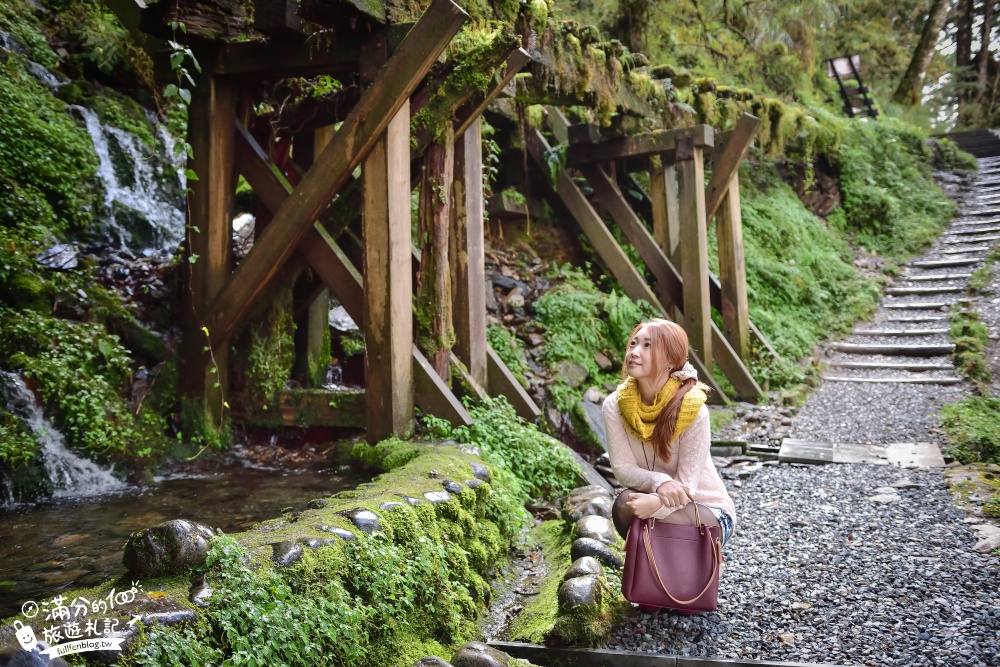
(652, 563)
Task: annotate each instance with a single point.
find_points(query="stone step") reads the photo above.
(944, 263)
(938, 276)
(915, 319)
(962, 251)
(927, 454)
(914, 366)
(966, 231)
(971, 239)
(899, 350)
(906, 291)
(924, 305)
(901, 332)
(906, 380)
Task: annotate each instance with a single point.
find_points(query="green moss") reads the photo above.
(973, 429)
(971, 339)
(535, 623)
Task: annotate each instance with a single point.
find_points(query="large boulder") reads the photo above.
(167, 548)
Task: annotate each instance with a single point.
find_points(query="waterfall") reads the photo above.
(142, 188)
(69, 475)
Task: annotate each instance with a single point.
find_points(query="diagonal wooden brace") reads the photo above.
(727, 163)
(294, 218)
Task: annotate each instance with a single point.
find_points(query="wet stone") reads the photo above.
(578, 591)
(315, 543)
(200, 591)
(451, 487)
(577, 508)
(431, 661)
(473, 483)
(586, 546)
(438, 496)
(62, 256)
(479, 471)
(410, 499)
(170, 616)
(596, 527)
(286, 553)
(318, 503)
(387, 506)
(345, 535)
(366, 520)
(584, 566)
(169, 547)
(572, 373)
(477, 654)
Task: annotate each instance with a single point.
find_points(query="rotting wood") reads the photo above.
(668, 281)
(333, 167)
(204, 375)
(727, 162)
(567, 194)
(661, 142)
(388, 326)
(694, 254)
(468, 263)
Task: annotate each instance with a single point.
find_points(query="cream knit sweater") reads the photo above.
(690, 463)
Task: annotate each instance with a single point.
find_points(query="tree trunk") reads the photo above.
(984, 50)
(908, 93)
(963, 36)
(436, 328)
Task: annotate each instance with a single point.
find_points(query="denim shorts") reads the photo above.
(725, 523)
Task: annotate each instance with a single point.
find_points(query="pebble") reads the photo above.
(885, 584)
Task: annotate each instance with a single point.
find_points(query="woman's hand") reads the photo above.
(672, 493)
(643, 505)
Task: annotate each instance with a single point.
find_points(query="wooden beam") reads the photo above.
(570, 196)
(388, 327)
(727, 163)
(732, 271)
(694, 254)
(501, 382)
(333, 167)
(471, 112)
(663, 195)
(669, 284)
(661, 142)
(204, 377)
(468, 264)
(346, 284)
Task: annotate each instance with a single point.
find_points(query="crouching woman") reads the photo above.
(659, 437)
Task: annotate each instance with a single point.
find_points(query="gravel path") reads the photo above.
(816, 572)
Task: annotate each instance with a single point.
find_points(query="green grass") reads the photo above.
(973, 429)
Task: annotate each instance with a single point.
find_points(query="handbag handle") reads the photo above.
(652, 563)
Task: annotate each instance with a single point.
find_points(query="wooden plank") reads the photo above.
(346, 284)
(640, 146)
(567, 192)
(732, 271)
(517, 59)
(468, 263)
(388, 326)
(727, 163)
(333, 167)
(663, 197)
(669, 283)
(501, 382)
(463, 380)
(694, 254)
(208, 245)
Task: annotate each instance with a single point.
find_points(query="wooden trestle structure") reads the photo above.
(371, 270)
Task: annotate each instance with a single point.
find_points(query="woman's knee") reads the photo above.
(621, 514)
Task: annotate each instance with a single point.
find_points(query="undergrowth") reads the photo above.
(971, 339)
(973, 429)
(510, 350)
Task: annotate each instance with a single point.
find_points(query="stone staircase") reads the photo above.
(908, 341)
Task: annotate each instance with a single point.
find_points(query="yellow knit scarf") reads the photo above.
(640, 418)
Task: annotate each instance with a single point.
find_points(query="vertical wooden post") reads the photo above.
(211, 130)
(468, 263)
(388, 321)
(434, 296)
(663, 195)
(694, 251)
(732, 267)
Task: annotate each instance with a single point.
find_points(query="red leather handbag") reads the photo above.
(672, 565)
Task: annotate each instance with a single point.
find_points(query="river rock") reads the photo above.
(200, 591)
(286, 553)
(364, 519)
(410, 499)
(431, 661)
(480, 471)
(451, 487)
(477, 654)
(438, 496)
(62, 256)
(315, 543)
(596, 527)
(169, 547)
(318, 503)
(389, 505)
(593, 425)
(572, 373)
(515, 299)
(579, 507)
(587, 546)
(578, 591)
(345, 535)
(473, 483)
(584, 566)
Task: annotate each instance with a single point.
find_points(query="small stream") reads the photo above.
(53, 546)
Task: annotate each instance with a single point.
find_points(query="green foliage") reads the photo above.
(891, 204)
(510, 350)
(973, 429)
(80, 371)
(18, 445)
(352, 343)
(982, 277)
(543, 465)
(971, 339)
(581, 321)
(271, 355)
(947, 155)
(386, 455)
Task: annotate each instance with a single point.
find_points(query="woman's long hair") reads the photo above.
(668, 349)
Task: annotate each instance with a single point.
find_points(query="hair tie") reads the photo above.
(686, 372)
